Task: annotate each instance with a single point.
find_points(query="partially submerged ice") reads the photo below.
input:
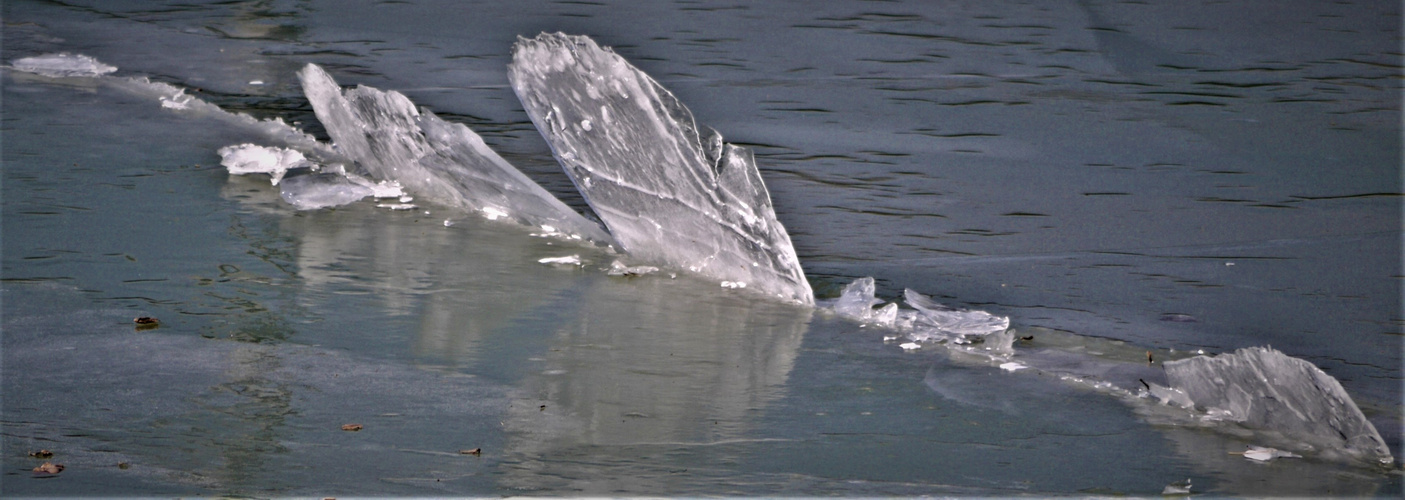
(670, 191)
(1262, 388)
(62, 65)
(1279, 398)
(391, 140)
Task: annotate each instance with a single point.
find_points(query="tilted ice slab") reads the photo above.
(1262, 388)
(444, 162)
(671, 192)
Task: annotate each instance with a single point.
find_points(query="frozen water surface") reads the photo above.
(1084, 170)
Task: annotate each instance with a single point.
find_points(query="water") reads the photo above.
(1153, 174)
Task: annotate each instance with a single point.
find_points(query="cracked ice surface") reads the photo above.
(444, 162)
(1262, 388)
(670, 191)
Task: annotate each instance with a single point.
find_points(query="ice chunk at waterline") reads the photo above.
(246, 159)
(670, 192)
(444, 162)
(1262, 388)
(937, 319)
(62, 65)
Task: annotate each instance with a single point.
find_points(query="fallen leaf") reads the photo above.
(146, 320)
(123, 465)
(49, 468)
(475, 451)
(351, 427)
(41, 454)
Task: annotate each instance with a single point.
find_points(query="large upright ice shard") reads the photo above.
(670, 191)
(1262, 388)
(440, 161)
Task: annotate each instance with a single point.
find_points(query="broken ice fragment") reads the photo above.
(1262, 388)
(670, 191)
(246, 159)
(321, 190)
(1177, 488)
(397, 206)
(1012, 366)
(733, 284)
(569, 260)
(856, 302)
(618, 268)
(62, 65)
(910, 346)
(952, 320)
(444, 162)
(1264, 454)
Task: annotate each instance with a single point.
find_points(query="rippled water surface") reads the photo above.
(1142, 175)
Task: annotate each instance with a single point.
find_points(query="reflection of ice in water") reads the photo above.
(670, 191)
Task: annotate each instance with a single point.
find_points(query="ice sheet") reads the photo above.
(1262, 388)
(447, 163)
(670, 191)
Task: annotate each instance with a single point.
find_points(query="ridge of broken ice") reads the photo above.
(670, 191)
(1281, 399)
(1262, 388)
(447, 163)
(62, 65)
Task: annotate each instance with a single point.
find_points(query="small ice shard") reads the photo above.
(245, 159)
(1261, 388)
(569, 260)
(733, 284)
(62, 65)
(1264, 454)
(910, 346)
(618, 268)
(177, 101)
(444, 162)
(397, 206)
(856, 302)
(1177, 488)
(1012, 366)
(670, 191)
(321, 190)
(948, 320)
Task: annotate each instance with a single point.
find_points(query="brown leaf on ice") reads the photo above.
(49, 468)
(41, 454)
(351, 427)
(475, 451)
(146, 322)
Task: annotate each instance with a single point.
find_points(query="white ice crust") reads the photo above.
(444, 162)
(62, 65)
(671, 192)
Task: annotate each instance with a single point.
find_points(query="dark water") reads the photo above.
(1166, 175)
